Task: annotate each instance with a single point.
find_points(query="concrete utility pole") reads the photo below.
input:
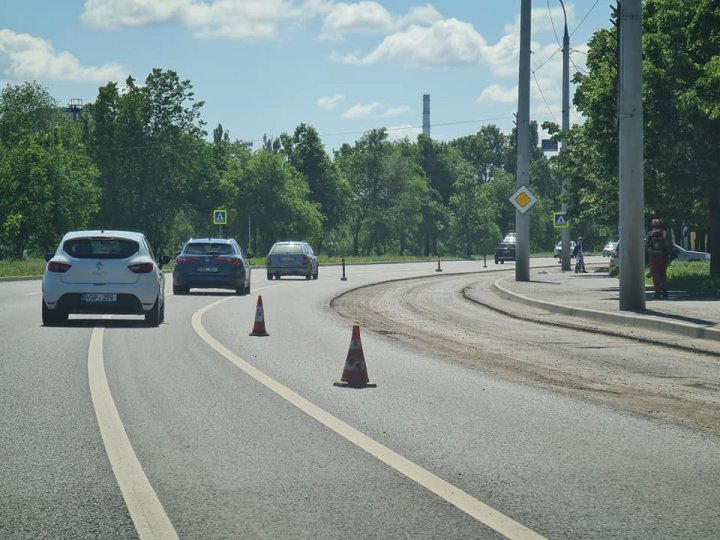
(632, 190)
(565, 233)
(522, 219)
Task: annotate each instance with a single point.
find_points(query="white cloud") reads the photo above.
(396, 111)
(360, 17)
(424, 38)
(26, 57)
(497, 94)
(371, 17)
(375, 109)
(361, 110)
(330, 102)
(445, 42)
(233, 19)
(426, 14)
(397, 133)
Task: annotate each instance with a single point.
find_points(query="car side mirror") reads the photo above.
(177, 253)
(48, 256)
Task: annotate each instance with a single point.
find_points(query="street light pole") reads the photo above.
(565, 232)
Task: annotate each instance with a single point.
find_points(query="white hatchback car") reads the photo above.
(101, 272)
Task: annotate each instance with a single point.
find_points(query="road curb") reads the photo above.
(638, 321)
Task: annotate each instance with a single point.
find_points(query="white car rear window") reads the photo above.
(100, 248)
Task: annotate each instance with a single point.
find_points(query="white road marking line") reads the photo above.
(32, 293)
(452, 494)
(146, 511)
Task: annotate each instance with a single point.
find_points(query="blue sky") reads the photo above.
(265, 66)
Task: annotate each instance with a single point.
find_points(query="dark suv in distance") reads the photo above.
(211, 263)
(505, 250)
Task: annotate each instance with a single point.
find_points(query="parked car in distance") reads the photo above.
(103, 272)
(292, 258)
(505, 250)
(682, 254)
(558, 248)
(609, 249)
(679, 253)
(211, 263)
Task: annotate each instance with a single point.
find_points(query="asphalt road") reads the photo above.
(218, 434)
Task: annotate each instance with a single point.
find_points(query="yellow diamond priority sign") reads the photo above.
(522, 199)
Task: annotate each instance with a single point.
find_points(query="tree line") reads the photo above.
(139, 157)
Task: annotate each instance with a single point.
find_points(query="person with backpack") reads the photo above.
(659, 249)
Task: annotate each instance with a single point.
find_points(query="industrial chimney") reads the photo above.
(426, 115)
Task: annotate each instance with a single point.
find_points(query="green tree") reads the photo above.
(278, 197)
(486, 151)
(147, 143)
(681, 103)
(47, 181)
(364, 167)
(305, 152)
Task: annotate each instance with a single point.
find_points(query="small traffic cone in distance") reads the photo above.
(259, 326)
(355, 373)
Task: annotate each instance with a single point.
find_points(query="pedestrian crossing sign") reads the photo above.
(560, 220)
(220, 217)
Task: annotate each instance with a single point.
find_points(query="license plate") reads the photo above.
(99, 297)
(287, 259)
(207, 269)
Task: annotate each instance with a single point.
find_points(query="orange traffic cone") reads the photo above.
(355, 372)
(259, 326)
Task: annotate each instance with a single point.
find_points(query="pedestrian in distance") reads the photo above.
(659, 249)
(579, 256)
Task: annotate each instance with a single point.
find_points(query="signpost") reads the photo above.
(560, 220)
(220, 218)
(523, 199)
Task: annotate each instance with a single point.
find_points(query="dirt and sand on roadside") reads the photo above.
(462, 319)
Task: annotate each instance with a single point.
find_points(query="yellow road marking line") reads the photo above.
(452, 494)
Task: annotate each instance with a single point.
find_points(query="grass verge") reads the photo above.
(691, 277)
(23, 268)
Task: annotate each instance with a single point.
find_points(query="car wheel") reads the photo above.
(50, 317)
(315, 275)
(309, 276)
(277, 276)
(241, 291)
(270, 276)
(502, 261)
(162, 312)
(247, 289)
(180, 290)
(152, 317)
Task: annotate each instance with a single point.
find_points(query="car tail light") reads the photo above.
(229, 260)
(185, 260)
(58, 267)
(142, 268)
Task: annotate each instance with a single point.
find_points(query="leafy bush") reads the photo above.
(693, 277)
